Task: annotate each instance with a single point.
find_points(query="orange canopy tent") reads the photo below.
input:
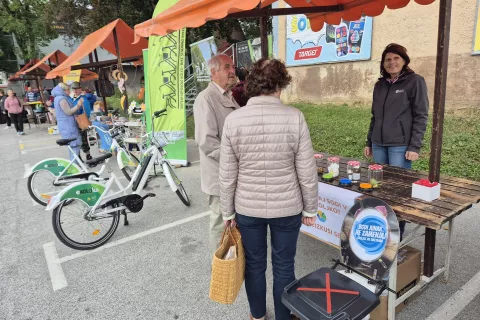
(194, 13)
(116, 37)
(19, 75)
(56, 57)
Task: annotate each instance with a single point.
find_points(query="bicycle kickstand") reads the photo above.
(125, 219)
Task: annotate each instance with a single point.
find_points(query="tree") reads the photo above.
(82, 17)
(8, 59)
(25, 20)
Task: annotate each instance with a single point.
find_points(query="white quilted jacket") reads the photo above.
(267, 167)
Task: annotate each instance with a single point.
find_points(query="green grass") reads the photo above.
(342, 129)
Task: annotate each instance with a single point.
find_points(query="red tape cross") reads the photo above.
(328, 292)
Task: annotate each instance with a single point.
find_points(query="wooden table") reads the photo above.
(457, 195)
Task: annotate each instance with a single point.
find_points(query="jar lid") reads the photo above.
(365, 186)
(375, 167)
(327, 176)
(334, 159)
(353, 163)
(345, 182)
(318, 156)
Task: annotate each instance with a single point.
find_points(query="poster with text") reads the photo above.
(333, 205)
(348, 41)
(250, 51)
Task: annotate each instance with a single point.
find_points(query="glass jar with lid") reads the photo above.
(333, 166)
(375, 175)
(354, 171)
(319, 162)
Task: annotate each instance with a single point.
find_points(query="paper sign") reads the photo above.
(333, 206)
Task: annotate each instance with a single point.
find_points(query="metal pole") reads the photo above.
(120, 67)
(440, 88)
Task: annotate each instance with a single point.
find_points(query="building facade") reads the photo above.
(414, 27)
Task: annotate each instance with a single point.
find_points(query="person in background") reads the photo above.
(141, 92)
(268, 181)
(46, 94)
(84, 106)
(31, 96)
(210, 109)
(238, 90)
(99, 107)
(399, 113)
(3, 97)
(65, 113)
(90, 96)
(15, 109)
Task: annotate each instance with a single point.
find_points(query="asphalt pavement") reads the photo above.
(158, 267)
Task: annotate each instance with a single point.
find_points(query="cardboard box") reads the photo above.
(408, 276)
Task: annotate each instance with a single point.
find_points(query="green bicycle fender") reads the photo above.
(124, 160)
(56, 166)
(87, 192)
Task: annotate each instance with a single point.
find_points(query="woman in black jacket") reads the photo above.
(399, 112)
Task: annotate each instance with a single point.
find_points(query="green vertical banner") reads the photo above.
(148, 111)
(164, 83)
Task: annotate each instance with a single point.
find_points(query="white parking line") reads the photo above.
(54, 267)
(134, 237)
(456, 303)
(44, 148)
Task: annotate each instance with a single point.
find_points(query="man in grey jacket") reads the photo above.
(210, 109)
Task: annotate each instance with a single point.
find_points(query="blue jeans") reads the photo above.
(394, 156)
(284, 235)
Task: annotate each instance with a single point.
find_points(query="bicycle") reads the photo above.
(49, 176)
(93, 210)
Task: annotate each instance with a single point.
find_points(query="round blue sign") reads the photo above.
(371, 234)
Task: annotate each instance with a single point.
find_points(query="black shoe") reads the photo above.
(89, 157)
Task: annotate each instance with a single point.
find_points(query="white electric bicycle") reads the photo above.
(48, 177)
(86, 214)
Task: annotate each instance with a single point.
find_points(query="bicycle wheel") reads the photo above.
(40, 186)
(181, 193)
(128, 171)
(74, 230)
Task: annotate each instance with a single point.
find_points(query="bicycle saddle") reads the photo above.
(65, 142)
(98, 160)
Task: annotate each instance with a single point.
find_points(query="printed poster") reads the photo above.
(201, 52)
(333, 206)
(250, 51)
(348, 41)
(165, 87)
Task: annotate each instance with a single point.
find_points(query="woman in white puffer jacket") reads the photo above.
(268, 179)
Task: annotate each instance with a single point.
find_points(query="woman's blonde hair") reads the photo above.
(63, 86)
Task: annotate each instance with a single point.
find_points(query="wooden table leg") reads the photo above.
(429, 254)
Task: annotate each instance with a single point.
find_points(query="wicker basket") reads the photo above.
(227, 275)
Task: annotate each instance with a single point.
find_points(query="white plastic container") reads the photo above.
(425, 191)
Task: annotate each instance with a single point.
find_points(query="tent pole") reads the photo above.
(264, 36)
(97, 70)
(51, 68)
(438, 118)
(120, 67)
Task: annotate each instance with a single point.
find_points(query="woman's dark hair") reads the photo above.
(396, 49)
(241, 73)
(266, 77)
(2, 92)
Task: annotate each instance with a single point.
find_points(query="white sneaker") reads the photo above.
(21, 133)
(7, 127)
